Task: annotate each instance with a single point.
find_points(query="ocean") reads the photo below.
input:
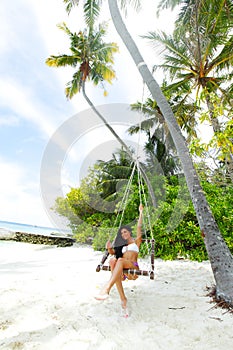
(17, 227)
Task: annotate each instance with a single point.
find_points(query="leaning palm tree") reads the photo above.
(91, 55)
(219, 254)
(94, 59)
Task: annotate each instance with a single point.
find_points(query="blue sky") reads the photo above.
(32, 101)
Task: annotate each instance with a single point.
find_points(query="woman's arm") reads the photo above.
(139, 226)
(110, 248)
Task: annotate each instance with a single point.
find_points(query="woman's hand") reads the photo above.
(108, 245)
(141, 208)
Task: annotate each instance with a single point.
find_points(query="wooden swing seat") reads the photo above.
(132, 272)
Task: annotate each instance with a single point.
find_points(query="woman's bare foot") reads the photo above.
(124, 303)
(124, 309)
(103, 295)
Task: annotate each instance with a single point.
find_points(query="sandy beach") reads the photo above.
(47, 302)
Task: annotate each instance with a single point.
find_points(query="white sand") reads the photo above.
(46, 303)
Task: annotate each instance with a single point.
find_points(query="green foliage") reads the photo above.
(101, 236)
(185, 241)
(220, 199)
(172, 241)
(84, 233)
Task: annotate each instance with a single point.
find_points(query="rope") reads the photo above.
(141, 190)
(125, 198)
(140, 183)
(140, 123)
(143, 199)
(146, 208)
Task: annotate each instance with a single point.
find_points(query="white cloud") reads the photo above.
(20, 198)
(21, 101)
(26, 83)
(9, 120)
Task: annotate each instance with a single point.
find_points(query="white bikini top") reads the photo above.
(130, 247)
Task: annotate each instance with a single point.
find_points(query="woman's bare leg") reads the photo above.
(119, 285)
(121, 292)
(120, 289)
(116, 276)
(117, 272)
(112, 263)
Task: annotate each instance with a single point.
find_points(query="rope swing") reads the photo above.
(149, 242)
(146, 222)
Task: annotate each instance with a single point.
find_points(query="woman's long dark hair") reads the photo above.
(120, 242)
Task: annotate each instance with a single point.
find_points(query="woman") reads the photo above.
(127, 261)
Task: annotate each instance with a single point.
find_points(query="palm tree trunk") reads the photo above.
(219, 254)
(125, 147)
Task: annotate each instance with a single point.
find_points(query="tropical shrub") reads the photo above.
(184, 240)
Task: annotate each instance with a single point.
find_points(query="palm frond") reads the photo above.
(166, 4)
(225, 57)
(74, 86)
(148, 108)
(173, 51)
(91, 12)
(107, 72)
(61, 61)
(136, 4)
(64, 27)
(70, 4)
(145, 125)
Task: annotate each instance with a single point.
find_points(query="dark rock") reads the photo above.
(60, 241)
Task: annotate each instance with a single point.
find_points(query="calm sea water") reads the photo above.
(17, 227)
